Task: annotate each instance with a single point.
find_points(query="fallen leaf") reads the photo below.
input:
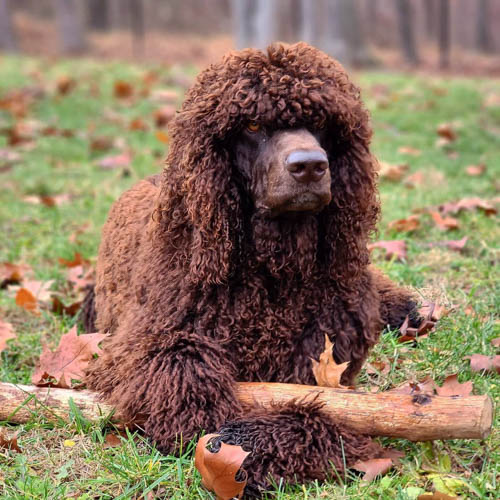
(376, 367)
(79, 277)
(447, 131)
(65, 84)
(426, 386)
(162, 136)
(373, 468)
(496, 342)
(326, 372)
(101, 143)
(414, 180)
(68, 362)
(122, 89)
(112, 441)
(138, 124)
(393, 454)
(48, 201)
(393, 248)
(77, 260)
(475, 170)
(12, 273)
(392, 172)
(164, 96)
(7, 443)
(456, 245)
(467, 204)
(218, 470)
(409, 224)
(433, 311)
(452, 387)
(482, 363)
(6, 332)
(444, 223)
(437, 495)
(408, 150)
(115, 161)
(58, 307)
(163, 115)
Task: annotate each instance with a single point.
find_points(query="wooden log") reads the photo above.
(415, 417)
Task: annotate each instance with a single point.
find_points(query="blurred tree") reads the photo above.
(430, 18)
(255, 22)
(483, 33)
(444, 33)
(136, 15)
(98, 14)
(405, 19)
(7, 38)
(70, 26)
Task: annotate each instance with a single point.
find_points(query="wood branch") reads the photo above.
(414, 417)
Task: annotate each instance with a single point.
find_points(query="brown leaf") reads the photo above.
(58, 307)
(6, 332)
(69, 361)
(12, 273)
(408, 150)
(437, 495)
(447, 131)
(433, 311)
(496, 342)
(164, 96)
(112, 441)
(163, 115)
(326, 372)
(79, 277)
(456, 245)
(392, 172)
(48, 201)
(480, 363)
(475, 170)
(410, 224)
(101, 143)
(373, 468)
(414, 180)
(138, 124)
(77, 260)
(218, 470)
(65, 84)
(426, 386)
(376, 367)
(393, 454)
(468, 204)
(162, 136)
(444, 223)
(9, 443)
(122, 89)
(452, 387)
(393, 248)
(115, 161)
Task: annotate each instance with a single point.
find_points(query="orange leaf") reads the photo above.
(77, 260)
(218, 470)
(26, 300)
(65, 84)
(326, 372)
(122, 89)
(138, 124)
(6, 332)
(452, 387)
(444, 223)
(69, 361)
(162, 136)
(410, 224)
(373, 468)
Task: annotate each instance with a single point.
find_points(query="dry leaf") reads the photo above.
(444, 223)
(6, 332)
(138, 124)
(432, 311)
(163, 115)
(452, 387)
(112, 441)
(58, 307)
(69, 361)
(496, 342)
(467, 204)
(9, 443)
(122, 89)
(377, 367)
(77, 260)
(326, 372)
(65, 84)
(393, 248)
(447, 132)
(410, 224)
(408, 150)
(480, 362)
(101, 143)
(79, 277)
(426, 386)
(475, 170)
(392, 172)
(414, 180)
(115, 161)
(165, 96)
(48, 201)
(373, 468)
(437, 495)
(218, 470)
(26, 300)
(456, 245)
(12, 273)
(162, 136)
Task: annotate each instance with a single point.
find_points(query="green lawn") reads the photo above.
(406, 113)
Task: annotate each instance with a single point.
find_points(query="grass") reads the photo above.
(71, 460)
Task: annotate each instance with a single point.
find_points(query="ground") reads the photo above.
(70, 461)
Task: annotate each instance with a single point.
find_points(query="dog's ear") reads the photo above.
(351, 216)
(199, 193)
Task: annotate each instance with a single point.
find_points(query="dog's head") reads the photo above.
(279, 133)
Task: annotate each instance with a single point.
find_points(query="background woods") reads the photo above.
(358, 32)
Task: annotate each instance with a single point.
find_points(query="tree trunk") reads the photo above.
(407, 32)
(430, 19)
(309, 26)
(415, 417)
(444, 33)
(98, 14)
(484, 40)
(70, 27)
(7, 38)
(136, 16)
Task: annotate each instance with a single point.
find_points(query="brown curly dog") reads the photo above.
(235, 263)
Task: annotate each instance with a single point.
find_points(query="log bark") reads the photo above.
(413, 417)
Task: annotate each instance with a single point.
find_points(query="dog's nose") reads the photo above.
(307, 166)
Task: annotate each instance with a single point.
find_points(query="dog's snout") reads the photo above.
(307, 166)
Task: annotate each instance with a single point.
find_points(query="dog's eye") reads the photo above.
(253, 127)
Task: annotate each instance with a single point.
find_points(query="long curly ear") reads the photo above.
(353, 212)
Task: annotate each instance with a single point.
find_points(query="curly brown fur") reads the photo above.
(200, 288)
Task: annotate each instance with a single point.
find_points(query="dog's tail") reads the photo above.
(88, 313)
